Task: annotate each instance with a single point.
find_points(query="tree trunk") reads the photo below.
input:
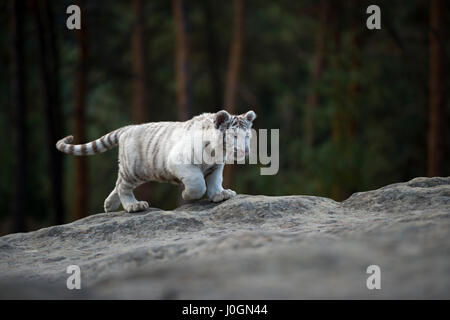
(140, 111)
(49, 60)
(19, 86)
(235, 57)
(82, 179)
(213, 54)
(338, 116)
(436, 131)
(313, 98)
(140, 99)
(344, 122)
(182, 65)
(234, 72)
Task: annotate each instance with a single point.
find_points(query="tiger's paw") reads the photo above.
(137, 206)
(225, 194)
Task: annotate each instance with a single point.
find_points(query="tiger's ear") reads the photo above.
(221, 118)
(250, 116)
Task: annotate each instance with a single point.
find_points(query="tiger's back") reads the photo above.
(144, 151)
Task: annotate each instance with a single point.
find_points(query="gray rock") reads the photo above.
(249, 247)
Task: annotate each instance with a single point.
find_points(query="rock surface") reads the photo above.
(249, 247)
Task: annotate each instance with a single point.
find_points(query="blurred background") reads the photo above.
(357, 109)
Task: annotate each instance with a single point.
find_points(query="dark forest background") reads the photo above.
(357, 109)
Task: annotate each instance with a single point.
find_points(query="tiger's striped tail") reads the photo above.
(105, 143)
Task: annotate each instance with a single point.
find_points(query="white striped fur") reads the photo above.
(161, 151)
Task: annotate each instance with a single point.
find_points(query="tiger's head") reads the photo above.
(235, 132)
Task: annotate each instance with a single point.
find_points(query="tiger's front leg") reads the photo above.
(216, 192)
(192, 178)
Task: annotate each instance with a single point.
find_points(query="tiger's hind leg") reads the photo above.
(126, 196)
(112, 203)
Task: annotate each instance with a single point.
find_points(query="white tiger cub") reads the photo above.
(161, 151)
